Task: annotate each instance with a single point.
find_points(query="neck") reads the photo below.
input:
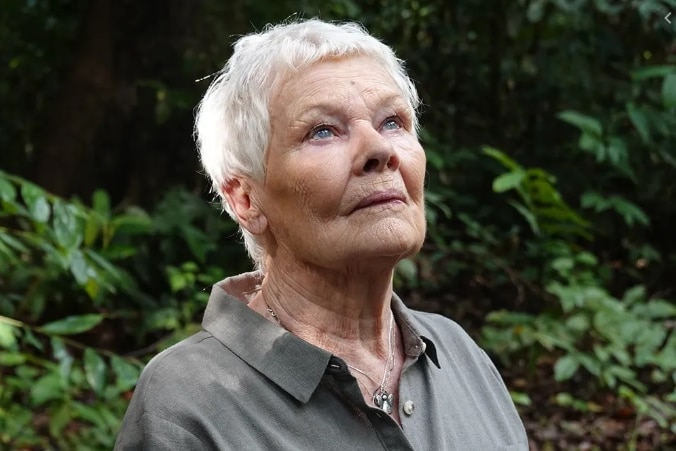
(345, 312)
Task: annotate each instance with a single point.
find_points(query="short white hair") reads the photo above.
(232, 123)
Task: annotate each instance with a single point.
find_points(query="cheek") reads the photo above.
(413, 172)
(316, 187)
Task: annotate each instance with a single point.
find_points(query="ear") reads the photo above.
(240, 196)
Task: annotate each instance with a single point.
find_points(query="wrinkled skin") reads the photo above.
(341, 133)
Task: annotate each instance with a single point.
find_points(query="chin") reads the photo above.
(388, 246)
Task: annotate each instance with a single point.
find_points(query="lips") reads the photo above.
(381, 197)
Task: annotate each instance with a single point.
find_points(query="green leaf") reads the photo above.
(634, 295)
(101, 203)
(586, 124)
(91, 230)
(645, 73)
(95, 370)
(131, 224)
(12, 359)
(593, 199)
(631, 212)
(64, 358)
(520, 398)
(507, 181)
(66, 227)
(90, 414)
(79, 267)
(36, 201)
(669, 91)
(502, 157)
(92, 288)
(565, 367)
(578, 323)
(590, 364)
(7, 190)
(72, 324)
(640, 121)
(177, 279)
(59, 418)
(657, 309)
(528, 216)
(126, 373)
(13, 243)
(7, 335)
(46, 388)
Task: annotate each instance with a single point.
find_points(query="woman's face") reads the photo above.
(345, 172)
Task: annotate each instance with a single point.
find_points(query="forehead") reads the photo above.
(335, 80)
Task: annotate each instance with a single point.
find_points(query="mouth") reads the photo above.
(385, 197)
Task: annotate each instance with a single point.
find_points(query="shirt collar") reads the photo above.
(414, 344)
(290, 362)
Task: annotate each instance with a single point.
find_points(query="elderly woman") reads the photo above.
(309, 136)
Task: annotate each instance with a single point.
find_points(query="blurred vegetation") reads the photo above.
(550, 131)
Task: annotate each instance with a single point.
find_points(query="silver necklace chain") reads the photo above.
(382, 399)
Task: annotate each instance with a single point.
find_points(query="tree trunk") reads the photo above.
(79, 109)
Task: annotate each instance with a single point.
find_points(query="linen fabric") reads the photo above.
(246, 383)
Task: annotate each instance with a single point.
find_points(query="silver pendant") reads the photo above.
(383, 400)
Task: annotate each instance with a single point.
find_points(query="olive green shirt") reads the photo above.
(243, 383)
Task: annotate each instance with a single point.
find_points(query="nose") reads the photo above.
(375, 152)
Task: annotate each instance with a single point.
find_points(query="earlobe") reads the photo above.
(239, 195)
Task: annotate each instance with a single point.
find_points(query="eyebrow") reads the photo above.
(329, 108)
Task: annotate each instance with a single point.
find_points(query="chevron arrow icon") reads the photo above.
(667, 18)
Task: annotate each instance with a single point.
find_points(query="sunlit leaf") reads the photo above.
(79, 267)
(66, 227)
(507, 181)
(95, 370)
(63, 357)
(7, 335)
(36, 201)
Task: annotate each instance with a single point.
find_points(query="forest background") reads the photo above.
(550, 132)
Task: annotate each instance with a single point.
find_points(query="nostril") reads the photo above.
(370, 165)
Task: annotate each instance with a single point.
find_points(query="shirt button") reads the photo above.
(424, 346)
(409, 407)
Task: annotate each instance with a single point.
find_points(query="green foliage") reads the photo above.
(571, 246)
(542, 206)
(626, 345)
(69, 305)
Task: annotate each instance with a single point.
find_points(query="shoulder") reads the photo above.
(170, 394)
(180, 376)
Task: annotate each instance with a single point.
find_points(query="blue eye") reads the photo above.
(321, 133)
(391, 124)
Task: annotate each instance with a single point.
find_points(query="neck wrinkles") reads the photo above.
(346, 313)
